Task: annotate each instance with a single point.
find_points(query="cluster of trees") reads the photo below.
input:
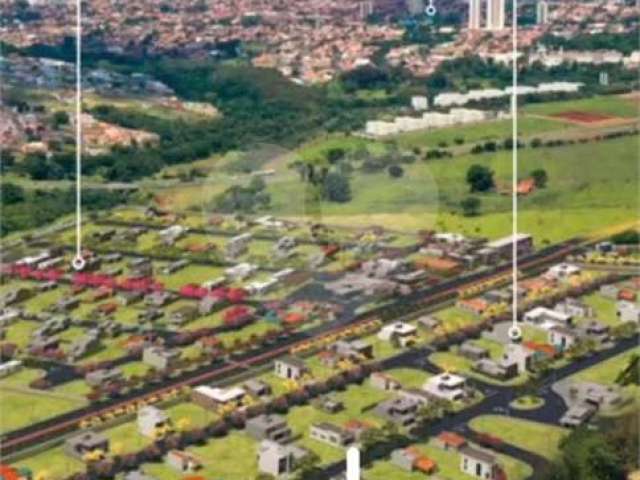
(628, 237)
(609, 454)
(25, 209)
(245, 199)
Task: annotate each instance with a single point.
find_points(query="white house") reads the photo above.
(546, 318)
(446, 386)
(562, 271)
(478, 463)
(628, 311)
(402, 332)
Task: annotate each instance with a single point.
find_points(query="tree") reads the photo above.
(630, 375)
(395, 171)
(540, 177)
(11, 193)
(480, 178)
(470, 206)
(588, 455)
(60, 118)
(336, 188)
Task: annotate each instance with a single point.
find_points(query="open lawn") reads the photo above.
(230, 458)
(605, 308)
(52, 464)
(535, 437)
(22, 408)
(607, 105)
(477, 132)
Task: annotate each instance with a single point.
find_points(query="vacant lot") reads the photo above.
(535, 437)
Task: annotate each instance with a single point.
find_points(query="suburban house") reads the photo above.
(545, 318)
(382, 381)
(473, 352)
(257, 388)
(240, 271)
(182, 461)
(476, 306)
(153, 422)
(562, 271)
(563, 338)
(402, 333)
(331, 434)
(238, 245)
(574, 308)
(211, 398)
(600, 396)
(479, 463)
(103, 376)
(269, 427)
(446, 386)
(160, 358)
(278, 460)
(400, 411)
(410, 459)
(209, 303)
(86, 443)
(161, 298)
(429, 322)
(609, 291)
(628, 311)
(183, 315)
(290, 368)
(450, 441)
(578, 415)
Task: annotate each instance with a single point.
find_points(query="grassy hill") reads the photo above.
(590, 186)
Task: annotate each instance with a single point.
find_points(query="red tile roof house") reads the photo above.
(627, 294)
(476, 306)
(450, 440)
(182, 461)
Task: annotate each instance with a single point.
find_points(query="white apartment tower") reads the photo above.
(542, 16)
(495, 14)
(475, 14)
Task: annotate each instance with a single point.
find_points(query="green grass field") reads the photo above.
(609, 105)
(478, 132)
(535, 437)
(591, 186)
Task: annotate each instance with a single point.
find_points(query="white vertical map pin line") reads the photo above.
(78, 261)
(353, 464)
(515, 332)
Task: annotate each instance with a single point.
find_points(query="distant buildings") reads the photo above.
(542, 12)
(495, 14)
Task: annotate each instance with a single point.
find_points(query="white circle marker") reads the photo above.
(78, 263)
(515, 333)
(353, 464)
(431, 10)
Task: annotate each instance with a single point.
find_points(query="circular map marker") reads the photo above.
(78, 263)
(515, 333)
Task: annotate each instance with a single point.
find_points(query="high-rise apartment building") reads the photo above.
(495, 14)
(475, 14)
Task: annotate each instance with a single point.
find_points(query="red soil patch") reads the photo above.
(584, 117)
